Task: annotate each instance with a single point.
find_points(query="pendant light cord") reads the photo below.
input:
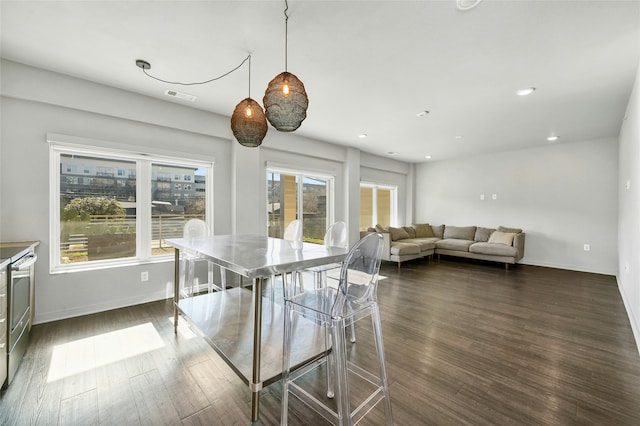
(286, 33)
(249, 75)
(248, 58)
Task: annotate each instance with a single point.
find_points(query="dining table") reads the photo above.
(244, 327)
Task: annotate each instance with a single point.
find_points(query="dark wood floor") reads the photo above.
(466, 343)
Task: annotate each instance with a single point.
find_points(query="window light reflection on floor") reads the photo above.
(86, 354)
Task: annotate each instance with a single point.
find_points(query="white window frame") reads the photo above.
(301, 174)
(60, 144)
(374, 199)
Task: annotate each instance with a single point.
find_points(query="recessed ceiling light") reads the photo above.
(428, 157)
(553, 138)
(526, 91)
(392, 153)
(422, 113)
(458, 137)
(362, 135)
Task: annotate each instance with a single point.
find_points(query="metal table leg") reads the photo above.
(256, 383)
(176, 289)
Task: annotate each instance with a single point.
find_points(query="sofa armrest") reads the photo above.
(518, 243)
(386, 243)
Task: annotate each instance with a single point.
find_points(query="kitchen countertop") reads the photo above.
(12, 251)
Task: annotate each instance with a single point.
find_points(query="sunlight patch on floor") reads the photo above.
(184, 329)
(85, 354)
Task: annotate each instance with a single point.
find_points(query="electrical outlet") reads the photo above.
(144, 276)
(587, 247)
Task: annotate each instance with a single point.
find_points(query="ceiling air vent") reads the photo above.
(179, 95)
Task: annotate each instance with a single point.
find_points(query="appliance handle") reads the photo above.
(24, 262)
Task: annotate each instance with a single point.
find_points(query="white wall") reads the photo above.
(25, 209)
(35, 102)
(563, 196)
(629, 210)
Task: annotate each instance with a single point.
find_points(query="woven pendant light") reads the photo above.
(248, 123)
(285, 100)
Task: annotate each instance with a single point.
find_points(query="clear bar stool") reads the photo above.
(293, 234)
(195, 228)
(331, 308)
(336, 236)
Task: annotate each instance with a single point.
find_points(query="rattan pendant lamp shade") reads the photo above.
(248, 123)
(285, 100)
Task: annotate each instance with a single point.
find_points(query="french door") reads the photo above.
(298, 195)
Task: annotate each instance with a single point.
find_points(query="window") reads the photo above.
(123, 212)
(292, 196)
(377, 205)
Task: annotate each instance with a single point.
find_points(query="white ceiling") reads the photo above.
(368, 66)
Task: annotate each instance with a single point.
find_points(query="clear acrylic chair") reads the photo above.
(336, 236)
(331, 308)
(190, 284)
(293, 234)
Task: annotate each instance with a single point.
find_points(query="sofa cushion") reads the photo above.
(505, 229)
(424, 243)
(460, 232)
(483, 234)
(401, 248)
(438, 230)
(493, 249)
(423, 230)
(499, 237)
(410, 231)
(454, 244)
(398, 234)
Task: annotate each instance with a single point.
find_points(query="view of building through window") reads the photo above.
(99, 206)
(177, 195)
(288, 195)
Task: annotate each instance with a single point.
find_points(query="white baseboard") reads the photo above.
(580, 268)
(98, 307)
(635, 324)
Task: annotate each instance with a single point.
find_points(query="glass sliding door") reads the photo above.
(314, 209)
(292, 196)
(282, 202)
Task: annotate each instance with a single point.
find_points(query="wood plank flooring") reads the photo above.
(466, 343)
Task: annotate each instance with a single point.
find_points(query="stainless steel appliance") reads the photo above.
(20, 290)
(3, 321)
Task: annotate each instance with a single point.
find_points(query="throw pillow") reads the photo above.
(499, 237)
(505, 229)
(379, 228)
(410, 231)
(398, 234)
(483, 234)
(423, 230)
(438, 231)
(460, 232)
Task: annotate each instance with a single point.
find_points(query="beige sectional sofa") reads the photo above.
(505, 245)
